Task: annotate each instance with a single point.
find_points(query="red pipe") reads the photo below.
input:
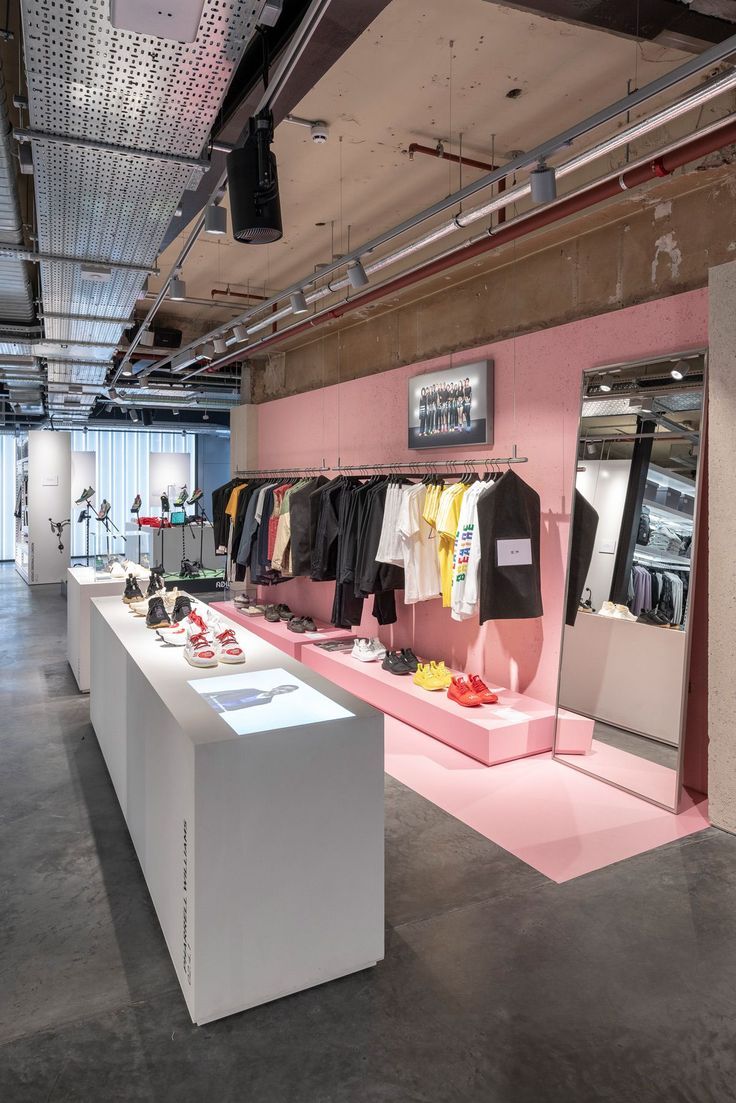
(237, 294)
(434, 152)
(664, 165)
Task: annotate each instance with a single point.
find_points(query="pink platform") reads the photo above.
(555, 819)
(278, 634)
(514, 728)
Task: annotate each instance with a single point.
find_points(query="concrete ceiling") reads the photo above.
(421, 72)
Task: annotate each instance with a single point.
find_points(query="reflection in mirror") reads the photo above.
(625, 654)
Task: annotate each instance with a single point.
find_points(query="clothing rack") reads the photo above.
(667, 564)
(409, 465)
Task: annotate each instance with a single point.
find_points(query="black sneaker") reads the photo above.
(155, 583)
(85, 496)
(137, 503)
(187, 569)
(395, 663)
(272, 614)
(410, 659)
(182, 608)
(653, 619)
(157, 617)
(195, 496)
(132, 590)
(284, 612)
(164, 503)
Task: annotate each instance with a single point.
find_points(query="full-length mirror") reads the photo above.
(625, 651)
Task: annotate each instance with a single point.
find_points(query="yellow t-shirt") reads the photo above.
(432, 504)
(448, 518)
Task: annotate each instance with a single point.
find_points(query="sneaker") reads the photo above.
(181, 497)
(182, 608)
(199, 650)
(441, 673)
(479, 687)
(620, 612)
(174, 635)
(155, 583)
(138, 571)
(137, 503)
(301, 625)
(103, 511)
(607, 609)
(653, 619)
(138, 608)
(271, 614)
(195, 496)
(411, 659)
(85, 496)
(165, 503)
(117, 570)
(187, 569)
(461, 693)
(368, 650)
(395, 663)
(132, 591)
(157, 616)
(426, 679)
(284, 612)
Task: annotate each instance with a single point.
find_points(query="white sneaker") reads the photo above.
(199, 650)
(170, 597)
(117, 570)
(368, 650)
(607, 609)
(173, 634)
(138, 608)
(226, 642)
(141, 573)
(620, 612)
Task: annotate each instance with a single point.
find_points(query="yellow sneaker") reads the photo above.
(426, 679)
(441, 674)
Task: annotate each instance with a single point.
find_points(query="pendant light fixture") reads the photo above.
(543, 183)
(177, 289)
(298, 303)
(240, 333)
(253, 187)
(220, 345)
(215, 220)
(357, 274)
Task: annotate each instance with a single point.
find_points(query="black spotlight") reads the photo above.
(253, 186)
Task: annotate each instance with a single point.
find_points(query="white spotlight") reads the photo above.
(177, 289)
(298, 303)
(605, 384)
(220, 344)
(215, 220)
(680, 369)
(240, 333)
(357, 274)
(133, 415)
(544, 184)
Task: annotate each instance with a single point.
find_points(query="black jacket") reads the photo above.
(509, 511)
(582, 542)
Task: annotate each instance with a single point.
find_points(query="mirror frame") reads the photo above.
(692, 589)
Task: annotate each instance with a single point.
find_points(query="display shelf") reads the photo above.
(262, 851)
(668, 512)
(278, 634)
(518, 726)
(666, 478)
(665, 559)
(82, 585)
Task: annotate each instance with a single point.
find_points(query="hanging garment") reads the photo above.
(448, 519)
(303, 510)
(582, 542)
(466, 554)
(390, 549)
(422, 580)
(509, 527)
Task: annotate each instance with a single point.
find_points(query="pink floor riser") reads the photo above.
(558, 820)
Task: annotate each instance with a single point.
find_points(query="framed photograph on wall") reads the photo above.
(452, 407)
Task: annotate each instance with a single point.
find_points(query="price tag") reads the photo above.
(513, 553)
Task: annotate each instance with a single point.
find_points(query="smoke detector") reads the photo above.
(320, 133)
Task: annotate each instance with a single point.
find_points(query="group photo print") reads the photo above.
(451, 407)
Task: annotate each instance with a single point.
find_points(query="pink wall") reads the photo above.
(364, 421)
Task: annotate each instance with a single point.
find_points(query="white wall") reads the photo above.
(603, 483)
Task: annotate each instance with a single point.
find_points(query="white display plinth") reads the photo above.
(263, 853)
(81, 586)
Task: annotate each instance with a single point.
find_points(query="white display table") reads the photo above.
(81, 586)
(263, 852)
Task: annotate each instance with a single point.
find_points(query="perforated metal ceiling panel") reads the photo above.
(89, 80)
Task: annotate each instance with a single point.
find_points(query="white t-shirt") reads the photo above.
(466, 557)
(390, 548)
(419, 544)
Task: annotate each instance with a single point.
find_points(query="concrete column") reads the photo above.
(721, 545)
(243, 438)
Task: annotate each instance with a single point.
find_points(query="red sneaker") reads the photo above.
(461, 693)
(479, 687)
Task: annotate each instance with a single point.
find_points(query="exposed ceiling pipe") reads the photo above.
(661, 165)
(607, 114)
(238, 294)
(467, 217)
(439, 151)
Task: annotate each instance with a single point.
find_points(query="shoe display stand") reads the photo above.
(278, 634)
(604, 654)
(82, 584)
(263, 853)
(516, 727)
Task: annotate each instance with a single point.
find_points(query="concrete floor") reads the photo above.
(498, 985)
